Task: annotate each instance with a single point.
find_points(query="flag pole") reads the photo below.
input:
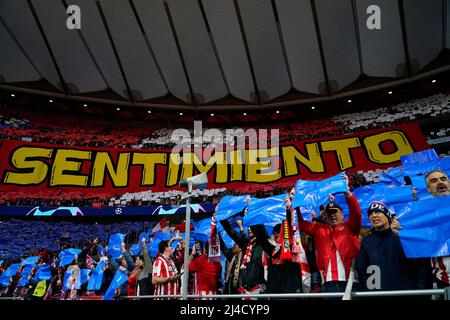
(187, 232)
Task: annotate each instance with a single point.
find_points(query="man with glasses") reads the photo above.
(439, 186)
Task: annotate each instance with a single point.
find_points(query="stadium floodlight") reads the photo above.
(85, 105)
(349, 100)
(200, 182)
(181, 113)
(13, 95)
(433, 81)
(245, 113)
(278, 111)
(212, 114)
(118, 109)
(51, 101)
(390, 92)
(312, 108)
(149, 111)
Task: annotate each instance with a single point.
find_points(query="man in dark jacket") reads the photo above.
(251, 274)
(382, 264)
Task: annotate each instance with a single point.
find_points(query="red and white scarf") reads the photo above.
(213, 242)
(248, 253)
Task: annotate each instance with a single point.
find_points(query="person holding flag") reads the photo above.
(383, 250)
(337, 241)
(251, 274)
(438, 185)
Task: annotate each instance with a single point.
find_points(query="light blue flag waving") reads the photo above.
(419, 157)
(95, 282)
(268, 211)
(231, 205)
(315, 193)
(43, 273)
(66, 256)
(29, 261)
(425, 229)
(119, 279)
(12, 270)
(82, 278)
(135, 249)
(67, 280)
(4, 280)
(115, 245)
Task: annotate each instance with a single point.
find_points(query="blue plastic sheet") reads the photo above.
(67, 256)
(315, 193)
(67, 279)
(425, 227)
(231, 205)
(268, 211)
(419, 157)
(43, 273)
(119, 279)
(12, 270)
(115, 245)
(95, 282)
(82, 278)
(29, 260)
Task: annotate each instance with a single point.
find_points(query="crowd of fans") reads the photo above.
(20, 125)
(60, 263)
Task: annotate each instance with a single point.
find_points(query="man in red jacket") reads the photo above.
(206, 273)
(337, 242)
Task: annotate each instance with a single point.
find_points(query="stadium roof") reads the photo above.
(218, 54)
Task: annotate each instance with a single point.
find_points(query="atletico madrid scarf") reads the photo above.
(213, 242)
(248, 253)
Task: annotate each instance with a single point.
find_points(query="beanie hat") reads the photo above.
(377, 206)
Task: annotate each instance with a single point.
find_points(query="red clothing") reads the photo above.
(336, 247)
(164, 268)
(132, 284)
(206, 274)
(441, 268)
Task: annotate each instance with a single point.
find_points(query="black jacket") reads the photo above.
(384, 249)
(253, 274)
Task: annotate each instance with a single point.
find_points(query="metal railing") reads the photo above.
(430, 292)
(406, 293)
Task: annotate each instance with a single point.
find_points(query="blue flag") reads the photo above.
(67, 279)
(135, 249)
(12, 270)
(67, 256)
(23, 281)
(419, 157)
(389, 180)
(115, 245)
(119, 279)
(268, 211)
(101, 249)
(375, 192)
(43, 273)
(82, 278)
(29, 261)
(229, 243)
(142, 235)
(95, 282)
(315, 193)
(202, 230)
(4, 280)
(26, 271)
(425, 229)
(153, 247)
(231, 205)
(162, 236)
